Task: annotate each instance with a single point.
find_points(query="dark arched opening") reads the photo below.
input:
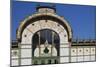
(41, 36)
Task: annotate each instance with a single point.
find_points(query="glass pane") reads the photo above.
(49, 61)
(35, 62)
(42, 61)
(56, 62)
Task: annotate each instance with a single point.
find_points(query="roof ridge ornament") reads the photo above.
(43, 8)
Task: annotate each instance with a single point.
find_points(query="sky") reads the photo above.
(82, 18)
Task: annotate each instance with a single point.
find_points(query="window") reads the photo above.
(41, 36)
(49, 61)
(42, 61)
(35, 62)
(56, 62)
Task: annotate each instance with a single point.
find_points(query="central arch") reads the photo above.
(39, 40)
(28, 30)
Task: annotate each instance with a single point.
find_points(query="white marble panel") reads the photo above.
(26, 46)
(26, 53)
(26, 36)
(64, 59)
(86, 58)
(93, 58)
(26, 62)
(73, 51)
(14, 63)
(80, 51)
(86, 51)
(65, 45)
(80, 58)
(73, 59)
(64, 51)
(93, 51)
